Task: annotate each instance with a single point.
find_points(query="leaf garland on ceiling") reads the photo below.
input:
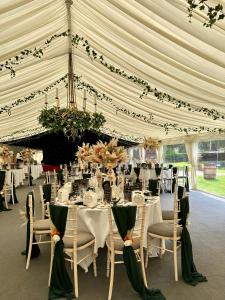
(94, 55)
(81, 85)
(25, 133)
(36, 52)
(20, 134)
(214, 13)
(31, 96)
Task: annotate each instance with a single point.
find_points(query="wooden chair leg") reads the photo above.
(112, 268)
(162, 250)
(51, 263)
(94, 261)
(148, 250)
(29, 251)
(175, 260)
(5, 197)
(13, 202)
(108, 263)
(143, 266)
(75, 274)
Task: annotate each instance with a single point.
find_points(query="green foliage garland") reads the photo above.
(94, 55)
(70, 121)
(8, 108)
(36, 52)
(166, 126)
(214, 13)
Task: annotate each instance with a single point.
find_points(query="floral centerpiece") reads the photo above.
(84, 153)
(150, 143)
(27, 155)
(109, 154)
(5, 155)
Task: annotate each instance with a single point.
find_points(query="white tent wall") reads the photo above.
(150, 39)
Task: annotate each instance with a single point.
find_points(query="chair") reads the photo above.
(47, 177)
(4, 189)
(154, 186)
(8, 189)
(37, 227)
(115, 245)
(168, 215)
(74, 241)
(167, 231)
(44, 210)
(169, 182)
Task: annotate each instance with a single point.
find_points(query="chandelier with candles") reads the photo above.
(70, 120)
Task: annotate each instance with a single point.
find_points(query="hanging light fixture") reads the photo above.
(70, 120)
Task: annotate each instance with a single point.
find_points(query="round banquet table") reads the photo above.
(95, 220)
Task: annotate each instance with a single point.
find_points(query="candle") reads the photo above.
(95, 103)
(84, 102)
(57, 102)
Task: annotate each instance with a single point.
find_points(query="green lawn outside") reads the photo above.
(213, 186)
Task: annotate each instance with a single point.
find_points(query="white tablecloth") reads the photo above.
(36, 170)
(19, 176)
(95, 220)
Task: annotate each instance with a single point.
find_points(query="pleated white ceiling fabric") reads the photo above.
(146, 38)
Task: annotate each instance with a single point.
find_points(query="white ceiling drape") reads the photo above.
(146, 38)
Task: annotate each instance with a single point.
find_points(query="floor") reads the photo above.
(208, 238)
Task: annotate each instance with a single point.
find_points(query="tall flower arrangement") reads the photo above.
(27, 155)
(5, 155)
(109, 154)
(150, 143)
(106, 154)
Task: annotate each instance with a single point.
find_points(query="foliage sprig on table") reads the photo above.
(214, 12)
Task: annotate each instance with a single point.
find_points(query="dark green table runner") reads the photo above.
(60, 285)
(125, 218)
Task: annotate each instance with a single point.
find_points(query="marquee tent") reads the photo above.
(131, 47)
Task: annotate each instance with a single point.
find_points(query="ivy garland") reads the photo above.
(25, 133)
(214, 13)
(80, 85)
(36, 52)
(7, 108)
(93, 55)
(161, 96)
(119, 135)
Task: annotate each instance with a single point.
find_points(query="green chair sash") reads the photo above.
(189, 272)
(60, 285)
(153, 187)
(125, 218)
(47, 191)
